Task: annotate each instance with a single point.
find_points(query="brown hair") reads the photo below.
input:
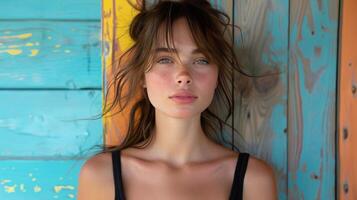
(211, 31)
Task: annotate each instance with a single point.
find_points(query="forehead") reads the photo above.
(180, 35)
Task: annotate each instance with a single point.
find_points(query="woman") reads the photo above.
(182, 63)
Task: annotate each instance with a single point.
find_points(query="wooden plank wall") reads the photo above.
(288, 119)
(347, 103)
(313, 28)
(116, 17)
(50, 75)
(262, 47)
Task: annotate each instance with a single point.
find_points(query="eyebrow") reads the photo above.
(164, 49)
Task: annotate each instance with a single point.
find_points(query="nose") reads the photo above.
(183, 81)
(183, 78)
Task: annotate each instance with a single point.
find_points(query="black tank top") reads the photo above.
(236, 190)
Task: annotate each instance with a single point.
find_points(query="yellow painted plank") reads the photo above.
(117, 16)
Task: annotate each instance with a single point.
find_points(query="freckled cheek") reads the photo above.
(207, 81)
(157, 81)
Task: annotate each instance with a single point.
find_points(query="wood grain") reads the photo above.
(45, 123)
(50, 77)
(262, 48)
(55, 10)
(312, 99)
(50, 55)
(117, 15)
(347, 103)
(45, 179)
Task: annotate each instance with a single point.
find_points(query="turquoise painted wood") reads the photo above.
(262, 48)
(312, 94)
(39, 179)
(50, 77)
(46, 123)
(50, 55)
(288, 119)
(54, 10)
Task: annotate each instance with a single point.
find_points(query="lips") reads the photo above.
(183, 95)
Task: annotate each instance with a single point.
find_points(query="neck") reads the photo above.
(178, 140)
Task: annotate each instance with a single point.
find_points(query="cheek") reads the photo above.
(156, 79)
(208, 80)
(156, 84)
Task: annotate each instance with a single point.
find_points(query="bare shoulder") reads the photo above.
(95, 173)
(260, 177)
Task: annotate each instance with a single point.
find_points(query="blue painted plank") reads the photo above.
(43, 123)
(50, 55)
(55, 9)
(262, 49)
(312, 99)
(40, 180)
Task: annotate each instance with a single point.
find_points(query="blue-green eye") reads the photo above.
(164, 61)
(202, 61)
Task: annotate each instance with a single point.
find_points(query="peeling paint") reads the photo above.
(34, 52)
(19, 47)
(58, 188)
(20, 36)
(12, 52)
(10, 189)
(2, 182)
(37, 188)
(29, 44)
(22, 188)
(13, 46)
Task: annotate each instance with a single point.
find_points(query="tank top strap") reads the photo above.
(119, 190)
(241, 167)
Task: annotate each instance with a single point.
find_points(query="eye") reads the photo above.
(202, 61)
(164, 61)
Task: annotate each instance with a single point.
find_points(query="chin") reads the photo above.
(181, 114)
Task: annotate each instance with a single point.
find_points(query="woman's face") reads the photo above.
(181, 87)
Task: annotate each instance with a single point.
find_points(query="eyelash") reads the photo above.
(204, 60)
(162, 59)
